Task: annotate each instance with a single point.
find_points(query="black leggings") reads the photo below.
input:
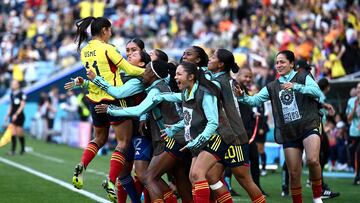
(324, 153)
(354, 148)
(254, 163)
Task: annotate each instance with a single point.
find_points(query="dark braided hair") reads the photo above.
(204, 59)
(97, 24)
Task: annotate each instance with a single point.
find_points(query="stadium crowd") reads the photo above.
(324, 32)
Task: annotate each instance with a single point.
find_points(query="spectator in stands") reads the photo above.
(53, 103)
(178, 24)
(353, 117)
(70, 106)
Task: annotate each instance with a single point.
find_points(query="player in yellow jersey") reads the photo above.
(104, 60)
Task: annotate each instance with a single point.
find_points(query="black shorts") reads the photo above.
(20, 120)
(228, 155)
(104, 119)
(299, 142)
(158, 147)
(173, 148)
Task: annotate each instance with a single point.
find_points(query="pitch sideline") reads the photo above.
(54, 180)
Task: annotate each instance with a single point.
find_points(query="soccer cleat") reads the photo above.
(357, 180)
(285, 191)
(327, 194)
(78, 180)
(110, 190)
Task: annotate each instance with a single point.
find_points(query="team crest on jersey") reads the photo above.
(187, 120)
(289, 106)
(16, 101)
(286, 97)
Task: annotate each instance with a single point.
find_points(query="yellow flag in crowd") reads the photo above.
(6, 136)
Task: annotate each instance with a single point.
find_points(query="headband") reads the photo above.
(152, 68)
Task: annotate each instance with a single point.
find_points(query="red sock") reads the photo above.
(296, 195)
(138, 185)
(259, 199)
(202, 192)
(224, 198)
(89, 153)
(122, 195)
(193, 193)
(117, 162)
(316, 186)
(169, 197)
(146, 196)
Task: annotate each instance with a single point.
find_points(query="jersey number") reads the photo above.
(95, 66)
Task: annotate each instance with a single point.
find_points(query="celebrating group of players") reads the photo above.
(183, 119)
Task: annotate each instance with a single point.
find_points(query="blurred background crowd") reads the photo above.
(37, 37)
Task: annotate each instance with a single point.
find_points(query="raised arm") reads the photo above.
(310, 88)
(170, 97)
(255, 100)
(130, 88)
(136, 111)
(122, 64)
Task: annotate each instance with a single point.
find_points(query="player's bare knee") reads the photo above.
(312, 162)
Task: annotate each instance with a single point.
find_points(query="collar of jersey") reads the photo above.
(215, 75)
(152, 85)
(191, 95)
(96, 41)
(287, 77)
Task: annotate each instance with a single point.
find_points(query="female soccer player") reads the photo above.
(165, 157)
(206, 138)
(297, 120)
(219, 66)
(103, 59)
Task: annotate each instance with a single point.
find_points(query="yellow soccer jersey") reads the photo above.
(104, 60)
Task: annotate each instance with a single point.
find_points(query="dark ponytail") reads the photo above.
(145, 57)
(161, 55)
(172, 72)
(228, 59)
(199, 74)
(96, 26)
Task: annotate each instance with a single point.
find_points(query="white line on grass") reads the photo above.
(57, 160)
(54, 180)
(100, 173)
(50, 158)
